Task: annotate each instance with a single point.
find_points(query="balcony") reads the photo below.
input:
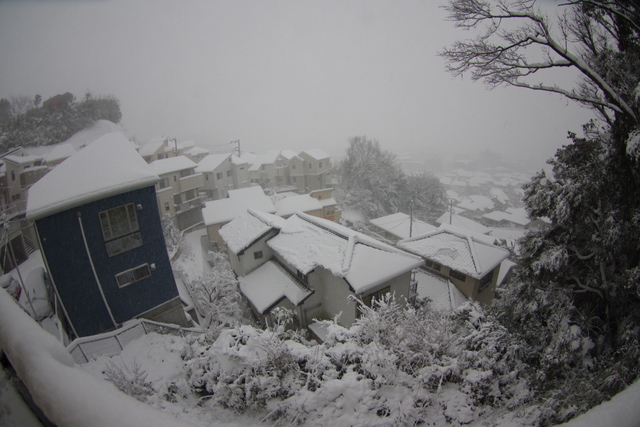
(191, 182)
(196, 202)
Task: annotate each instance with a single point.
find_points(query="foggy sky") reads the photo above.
(276, 74)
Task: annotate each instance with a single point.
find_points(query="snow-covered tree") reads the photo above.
(374, 184)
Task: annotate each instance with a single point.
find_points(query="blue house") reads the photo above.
(97, 221)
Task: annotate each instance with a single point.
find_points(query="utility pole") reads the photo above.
(411, 218)
(450, 211)
(237, 149)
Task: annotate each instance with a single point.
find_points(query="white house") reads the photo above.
(313, 266)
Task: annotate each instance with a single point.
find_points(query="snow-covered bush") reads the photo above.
(173, 238)
(395, 366)
(132, 381)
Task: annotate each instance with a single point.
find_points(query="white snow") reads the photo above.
(303, 203)
(68, 395)
(307, 242)
(268, 284)
(106, 167)
(60, 152)
(172, 164)
(316, 153)
(211, 162)
(399, 224)
(442, 293)
(457, 251)
(224, 210)
(460, 221)
(246, 228)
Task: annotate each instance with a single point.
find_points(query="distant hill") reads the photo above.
(59, 118)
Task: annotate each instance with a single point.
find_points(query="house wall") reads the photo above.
(246, 262)
(296, 173)
(240, 175)
(70, 267)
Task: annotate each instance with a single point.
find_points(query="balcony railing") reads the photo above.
(190, 204)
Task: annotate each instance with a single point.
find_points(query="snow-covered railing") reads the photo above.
(68, 395)
(111, 343)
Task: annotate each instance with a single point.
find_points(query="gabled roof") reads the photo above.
(307, 242)
(267, 158)
(107, 167)
(399, 224)
(462, 222)
(197, 151)
(316, 154)
(244, 230)
(238, 160)
(288, 154)
(293, 204)
(476, 202)
(153, 145)
(211, 162)
(269, 284)
(22, 160)
(458, 251)
(224, 210)
(172, 164)
(505, 216)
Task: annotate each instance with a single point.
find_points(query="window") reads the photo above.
(257, 255)
(118, 221)
(456, 275)
(15, 197)
(160, 156)
(164, 183)
(309, 165)
(134, 275)
(486, 281)
(186, 172)
(229, 173)
(120, 224)
(206, 176)
(320, 165)
(177, 199)
(293, 166)
(219, 175)
(189, 194)
(13, 175)
(433, 265)
(166, 206)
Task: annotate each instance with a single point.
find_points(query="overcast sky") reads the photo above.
(276, 74)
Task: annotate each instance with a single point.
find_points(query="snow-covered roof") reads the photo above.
(224, 210)
(328, 202)
(399, 224)
(307, 242)
(267, 158)
(489, 239)
(197, 151)
(459, 252)
(238, 160)
(242, 231)
(211, 162)
(288, 154)
(172, 164)
(462, 222)
(22, 160)
(153, 145)
(316, 153)
(505, 216)
(106, 167)
(476, 203)
(269, 284)
(499, 194)
(60, 152)
(293, 204)
(247, 193)
(443, 294)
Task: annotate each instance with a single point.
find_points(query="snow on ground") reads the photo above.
(158, 361)
(192, 260)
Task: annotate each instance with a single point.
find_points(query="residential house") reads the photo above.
(217, 170)
(330, 208)
(317, 165)
(196, 153)
(240, 172)
(299, 203)
(58, 154)
(265, 172)
(296, 173)
(22, 170)
(98, 225)
(471, 264)
(398, 226)
(313, 267)
(217, 213)
(178, 190)
(161, 147)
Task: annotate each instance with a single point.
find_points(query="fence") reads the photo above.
(111, 343)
